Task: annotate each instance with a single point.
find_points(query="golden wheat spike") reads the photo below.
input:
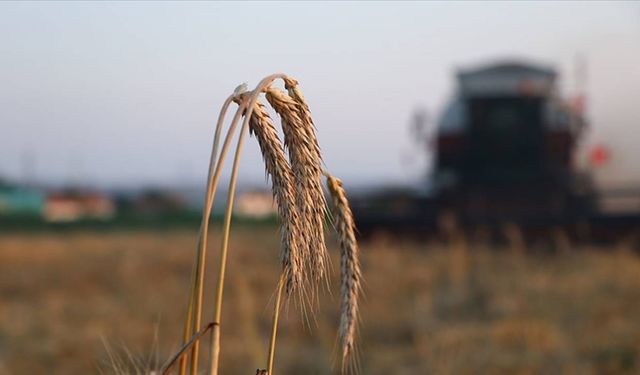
(306, 162)
(351, 276)
(279, 170)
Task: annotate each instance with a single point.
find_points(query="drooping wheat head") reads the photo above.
(304, 154)
(295, 93)
(351, 276)
(278, 168)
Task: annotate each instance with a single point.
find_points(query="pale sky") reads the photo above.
(127, 93)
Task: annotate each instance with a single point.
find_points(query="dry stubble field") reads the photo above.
(429, 308)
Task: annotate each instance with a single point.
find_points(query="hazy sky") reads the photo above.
(125, 93)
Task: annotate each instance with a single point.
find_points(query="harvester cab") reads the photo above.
(505, 147)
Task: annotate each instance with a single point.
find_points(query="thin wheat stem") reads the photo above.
(166, 368)
(202, 243)
(218, 171)
(195, 273)
(215, 344)
(215, 347)
(188, 321)
(274, 325)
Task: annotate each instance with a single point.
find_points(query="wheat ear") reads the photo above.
(293, 89)
(351, 276)
(306, 162)
(278, 168)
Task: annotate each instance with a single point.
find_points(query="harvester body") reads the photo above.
(504, 155)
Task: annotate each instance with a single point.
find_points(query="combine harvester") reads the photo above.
(504, 157)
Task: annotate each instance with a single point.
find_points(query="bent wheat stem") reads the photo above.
(196, 276)
(215, 337)
(220, 163)
(166, 368)
(195, 307)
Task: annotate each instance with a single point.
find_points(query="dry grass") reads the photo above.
(570, 313)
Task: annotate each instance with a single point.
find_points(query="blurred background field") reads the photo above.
(457, 306)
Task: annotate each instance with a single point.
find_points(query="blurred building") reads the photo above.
(153, 202)
(78, 205)
(19, 201)
(255, 205)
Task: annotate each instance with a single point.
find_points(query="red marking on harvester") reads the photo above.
(599, 156)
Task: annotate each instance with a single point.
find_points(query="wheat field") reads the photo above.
(68, 300)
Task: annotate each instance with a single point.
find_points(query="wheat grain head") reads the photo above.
(351, 276)
(296, 94)
(278, 168)
(306, 162)
(293, 89)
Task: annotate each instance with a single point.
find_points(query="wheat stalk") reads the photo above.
(351, 276)
(274, 325)
(304, 154)
(297, 189)
(251, 100)
(194, 309)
